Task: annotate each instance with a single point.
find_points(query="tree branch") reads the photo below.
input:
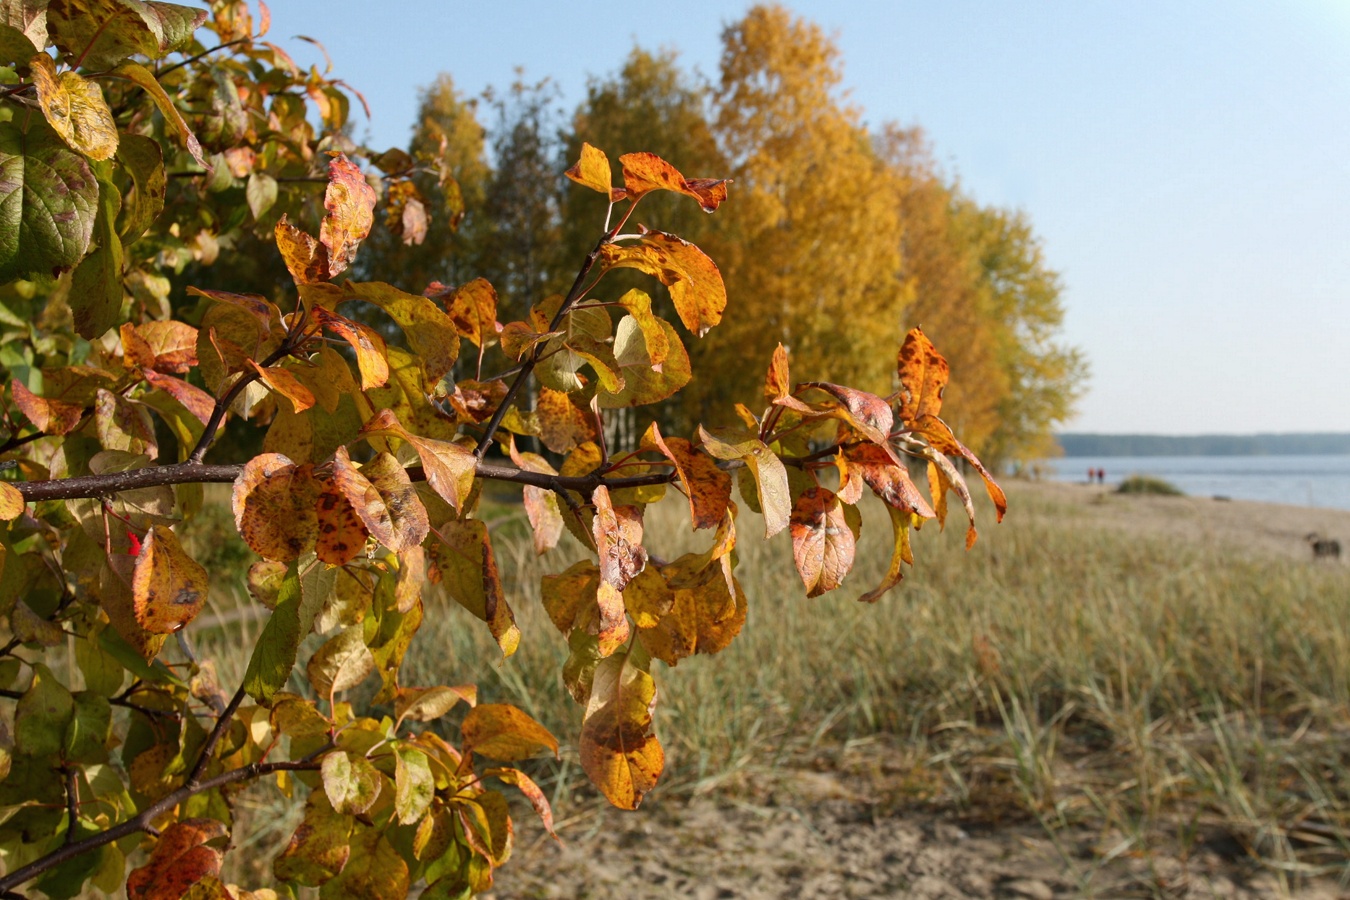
(209, 748)
(223, 404)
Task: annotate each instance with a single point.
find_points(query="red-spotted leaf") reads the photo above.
(693, 278)
(503, 732)
(822, 544)
(647, 172)
(341, 533)
(168, 587)
(182, 857)
(274, 507)
(619, 752)
(923, 376)
(350, 202)
(707, 486)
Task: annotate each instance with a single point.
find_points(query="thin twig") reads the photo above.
(223, 404)
(209, 748)
(192, 59)
(72, 803)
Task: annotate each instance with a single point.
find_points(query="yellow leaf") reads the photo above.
(503, 732)
(284, 382)
(384, 498)
(693, 278)
(11, 501)
(619, 753)
(350, 202)
(449, 468)
(923, 376)
(593, 171)
(372, 358)
(168, 587)
(768, 471)
(306, 259)
(646, 172)
(75, 108)
(274, 507)
(706, 485)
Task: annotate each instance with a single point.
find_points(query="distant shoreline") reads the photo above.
(1295, 444)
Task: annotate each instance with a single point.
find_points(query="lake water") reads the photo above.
(1298, 480)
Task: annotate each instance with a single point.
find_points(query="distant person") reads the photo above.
(1101, 476)
(1092, 473)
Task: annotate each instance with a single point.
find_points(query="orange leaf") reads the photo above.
(923, 376)
(274, 504)
(194, 399)
(372, 358)
(541, 504)
(174, 345)
(350, 202)
(866, 412)
(449, 468)
(472, 308)
(306, 259)
(532, 792)
(562, 424)
(940, 436)
(619, 753)
(181, 858)
(384, 498)
(136, 351)
(593, 171)
(776, 383)
(693, 278)
(708, 487)
(887, 480)
(822, 544)
(705, 614)
(618, 540)
(342, 534)
(647, 172)
(168, 586)
(502, 732)
(287, 385)
(48, 416)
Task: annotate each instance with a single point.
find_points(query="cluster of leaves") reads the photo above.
(375, 450)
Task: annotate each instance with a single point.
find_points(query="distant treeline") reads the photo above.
(1203, 444)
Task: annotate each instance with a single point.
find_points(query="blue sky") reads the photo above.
(1186, 164)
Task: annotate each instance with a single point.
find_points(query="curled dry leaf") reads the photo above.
(866, 412)
(618, 540)
(168, 587)
(900, 553)
(462, 554)
(822, 544)
(284, 382)
(870, 464)
(532, 792)
(939, 435)
(619, 752)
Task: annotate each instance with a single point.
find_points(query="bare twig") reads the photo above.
(209, 748)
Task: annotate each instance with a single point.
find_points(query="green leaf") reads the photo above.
(48, 202)
(342, 663)
(142, 159)
(350, 781)
(87, 735)
(142, 76)
(413, 784)
(261, 193)
(42, 716)
(102, 33)
(96, 287)
(298, 602)
(770, 476)
(29, 18)
(102, 672)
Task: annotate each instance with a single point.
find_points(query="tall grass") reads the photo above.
(1163, 693)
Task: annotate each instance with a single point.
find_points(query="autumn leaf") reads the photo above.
(472, 307)
(194, 399)
(647, 172)
(593, 171)
(900, 522)
(562, 424)
(48, 416)
(384, 498)
(350, 202)
(532, 792)
(940, 436)
(341, 533)
(341, 663)
(168, 587)
(306, 259)
(822, 544)
(876, 468)
(350, 781)
(432, 335)
(320, 846)
(706, 613)
(768, 471)
(866, 412)
(541, 504)
(776, 383)
(706, 485)
(462, 553)
(429, 704)
(182, 857)
(695, 283)
(284, 382)
(923, 376)
(75, 108)
(619, 753)
(449, 468)
(145, 79)
(274, 507)
(618, 540)
(502, 732)
(372, 358)
(11, 502)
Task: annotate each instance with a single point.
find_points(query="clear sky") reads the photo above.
(1186, 164)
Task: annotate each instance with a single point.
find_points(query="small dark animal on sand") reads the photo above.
(1324, 548)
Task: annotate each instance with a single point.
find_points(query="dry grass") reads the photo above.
(1164, 694)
